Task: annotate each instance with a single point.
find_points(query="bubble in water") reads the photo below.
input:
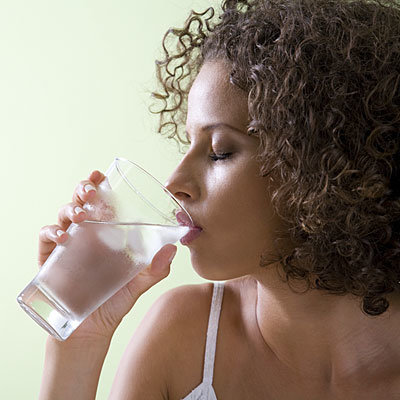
(112, 236)
(135, 240)
(172, 234)
(145, 241)
(136, 243)
(103, 206)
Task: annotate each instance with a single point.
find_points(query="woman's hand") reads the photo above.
(102, 323)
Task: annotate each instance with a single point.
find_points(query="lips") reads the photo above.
(191, 235)
(183, 219)
(194, 232)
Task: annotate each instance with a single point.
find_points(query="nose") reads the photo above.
(182, 183)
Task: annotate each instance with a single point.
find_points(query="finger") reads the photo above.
(163, 259)
(86, 189)
(96, 177)
(49, 237)
(154, 273)
(70, 212)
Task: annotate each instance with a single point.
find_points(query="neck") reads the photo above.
(326, 337)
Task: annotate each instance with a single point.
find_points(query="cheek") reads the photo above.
(240, 223)
(242, 219)
(241, 201)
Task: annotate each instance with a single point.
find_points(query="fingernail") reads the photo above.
(78, 210)
(89, 187)
(172, 256)
(60, 232)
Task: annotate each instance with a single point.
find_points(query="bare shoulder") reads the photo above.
(187, 299)
(189, 341)
(167, 334)
(183, 311)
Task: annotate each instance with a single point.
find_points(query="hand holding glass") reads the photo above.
(131, 218)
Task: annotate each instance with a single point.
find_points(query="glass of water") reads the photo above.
(131, 218)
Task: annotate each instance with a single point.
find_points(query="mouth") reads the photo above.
(194, 232)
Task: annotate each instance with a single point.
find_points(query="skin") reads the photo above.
(285, 345)
(316, 338)
(72, 368)
(222, 195)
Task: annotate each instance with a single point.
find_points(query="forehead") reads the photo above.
(213, 99)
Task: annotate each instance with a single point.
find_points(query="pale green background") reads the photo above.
(75, 78)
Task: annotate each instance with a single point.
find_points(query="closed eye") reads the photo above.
(219, 156)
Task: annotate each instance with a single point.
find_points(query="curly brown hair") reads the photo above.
(323, 85)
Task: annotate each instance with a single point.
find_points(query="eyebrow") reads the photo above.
(212, 127)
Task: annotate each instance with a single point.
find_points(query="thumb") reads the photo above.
(155, 272)
(163, 259)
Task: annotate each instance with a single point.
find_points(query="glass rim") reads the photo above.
(129, 223)
(125, 178)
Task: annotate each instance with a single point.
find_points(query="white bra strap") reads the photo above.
(212, 331)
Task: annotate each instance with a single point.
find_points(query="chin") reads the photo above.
(215, 271)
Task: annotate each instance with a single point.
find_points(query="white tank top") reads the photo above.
(205, 391)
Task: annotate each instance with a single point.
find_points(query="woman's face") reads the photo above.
(218, 180)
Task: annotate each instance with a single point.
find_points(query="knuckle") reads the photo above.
(62, 208)
(77, 191)
(79, 187)
(44, 228)
(73, 206)
(55, 228)
(66, 207)
(45, 233)
(61, 213)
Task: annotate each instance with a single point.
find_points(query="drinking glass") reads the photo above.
(132, 216)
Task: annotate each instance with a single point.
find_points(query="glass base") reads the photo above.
(44, 310)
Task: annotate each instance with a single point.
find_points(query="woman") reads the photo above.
(292, 169)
